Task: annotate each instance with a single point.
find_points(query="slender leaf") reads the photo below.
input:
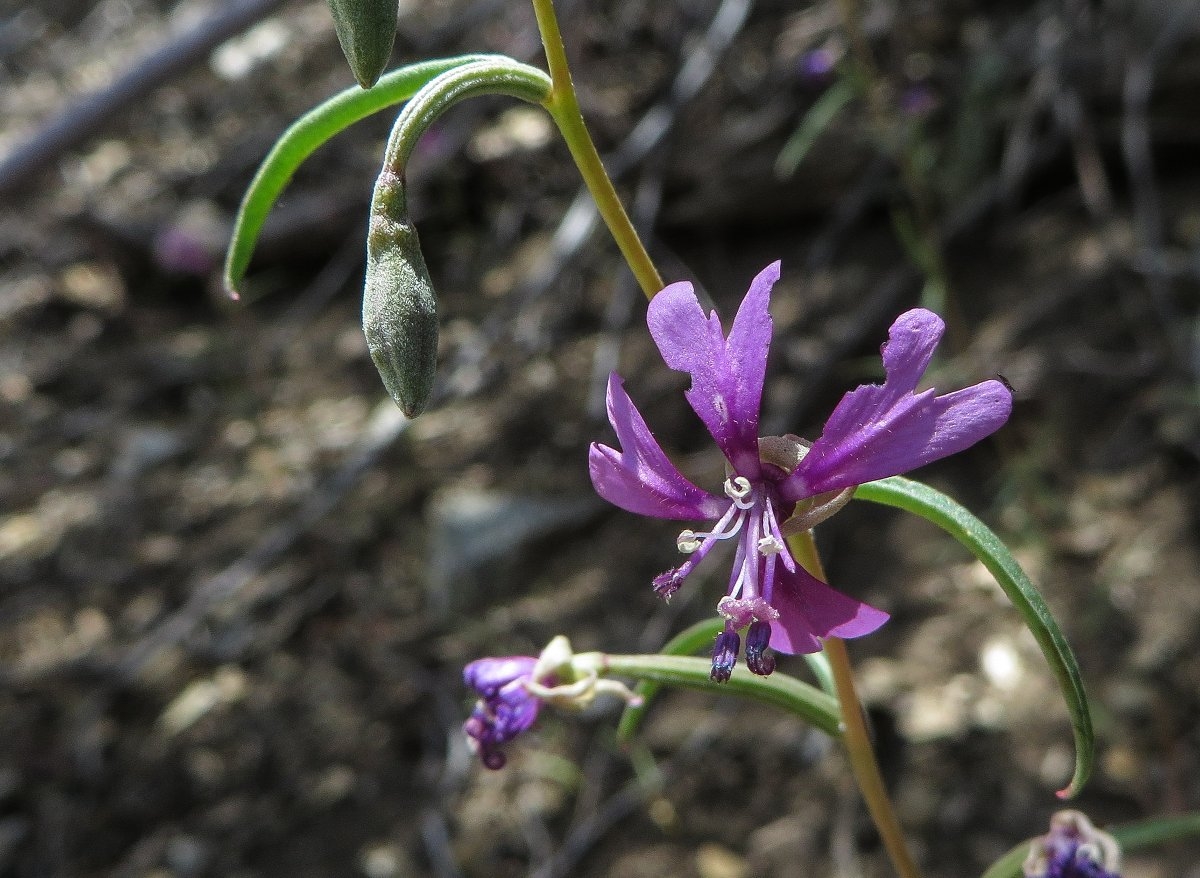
(951, 517)
(819, 117)
(779, 690)
(819, 665)
(303, 138)
(687, 642)
(1156, 830)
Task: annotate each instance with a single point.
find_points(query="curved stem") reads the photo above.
(303, 138)
(854, 730)
(563, 105)
(779, 690)
(496, 75)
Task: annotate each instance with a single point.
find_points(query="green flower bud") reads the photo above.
(366, 29)
(399, 307)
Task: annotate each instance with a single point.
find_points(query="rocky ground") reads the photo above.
(237, 588)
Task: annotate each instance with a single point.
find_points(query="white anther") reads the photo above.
(739, 490)
(769, 545)
(686, 542)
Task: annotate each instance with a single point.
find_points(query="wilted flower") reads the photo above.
(779, 485)
(512, 690)
(1073, 848)
(505, 708)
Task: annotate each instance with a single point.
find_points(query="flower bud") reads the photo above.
(366, 29)
(400, 309)
(1073, 848)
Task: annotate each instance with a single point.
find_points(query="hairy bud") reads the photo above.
(366, 29)
(399, 307)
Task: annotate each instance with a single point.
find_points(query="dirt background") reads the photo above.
(237, 589)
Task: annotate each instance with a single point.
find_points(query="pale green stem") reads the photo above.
(854, 730)
(563, 105)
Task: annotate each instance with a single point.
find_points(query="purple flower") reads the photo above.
(505, 708)
(779, 485)
(1073, 848)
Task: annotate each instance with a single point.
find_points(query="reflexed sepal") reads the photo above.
(399, 307)
(366, 29)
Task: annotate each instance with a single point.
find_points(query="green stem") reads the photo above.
(854, 730)
(564, 107)
(779, 690)
(489, 76)
(303, 138)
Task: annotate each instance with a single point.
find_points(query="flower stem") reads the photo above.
(563, 105)
(854, 730)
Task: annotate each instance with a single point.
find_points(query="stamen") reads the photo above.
(771, 526)
(730, 525)
(740, 491)
(724, 655)
(758, 659)
(769, 545)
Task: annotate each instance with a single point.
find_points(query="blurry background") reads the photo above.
(237, 589)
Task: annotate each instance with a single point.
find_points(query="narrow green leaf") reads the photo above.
(697, 638)
(1130, 836)
(818, 663)
(779, 690)
(1156, 830)
(1009, 865)
(819, 117)
(303, 138)
(687, 642)
(366, 30)
(951, 517)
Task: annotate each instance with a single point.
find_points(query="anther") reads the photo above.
(686, 542)
(769, 545)
(724, 655)
(758, 658)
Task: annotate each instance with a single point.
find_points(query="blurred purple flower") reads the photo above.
(816, 65)
(1073, 848)
(918, 100)
(777, 485)
(180, 250)
(506, 707)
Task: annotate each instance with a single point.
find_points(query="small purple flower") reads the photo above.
(1073, 848)
(512, 690)
(506, 707)
(816, 65)
(779, 485)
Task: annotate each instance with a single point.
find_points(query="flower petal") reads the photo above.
(912, 339)
(881, 430)
(727, 375)
(639, 478)
(808, 609)
(505, 708)
(488, 675)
